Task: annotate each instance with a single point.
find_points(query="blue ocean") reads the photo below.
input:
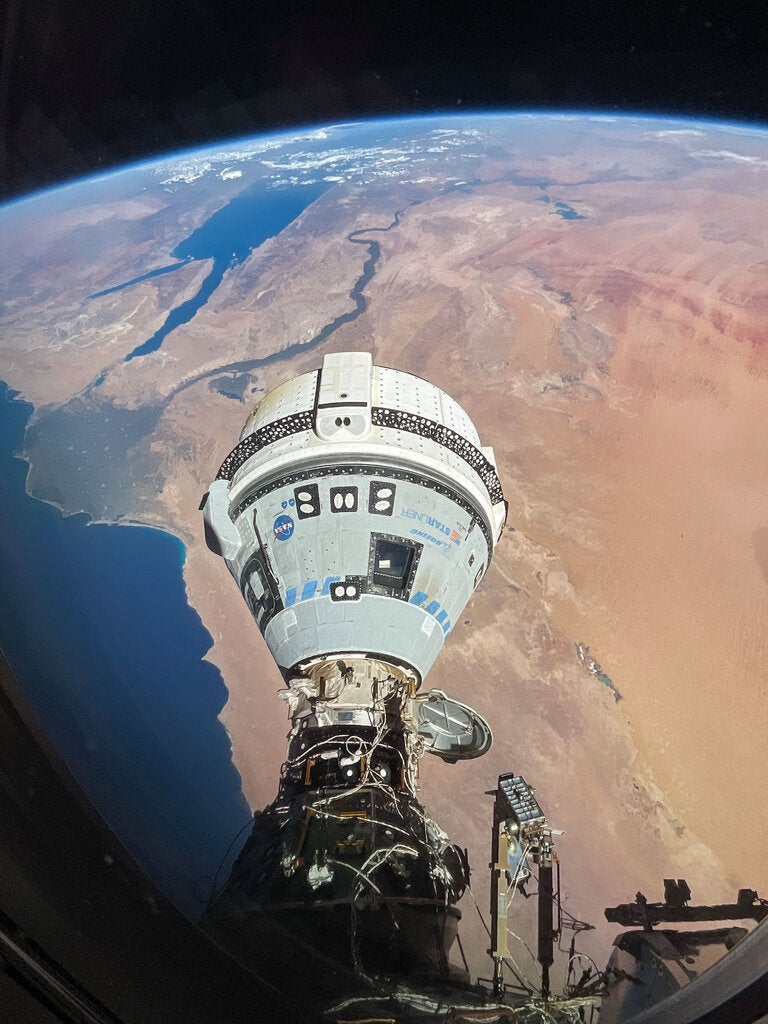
(94, 619)
(226, 238)
(94, 622)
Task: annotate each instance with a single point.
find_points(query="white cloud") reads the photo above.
(673, 131)
(727, 154)
(293, 158)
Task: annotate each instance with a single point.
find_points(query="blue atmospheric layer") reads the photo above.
(95, 624)
(373, 131)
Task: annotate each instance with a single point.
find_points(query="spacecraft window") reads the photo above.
(381, 497)
(344, 499)
(307, 501)
(392, 564)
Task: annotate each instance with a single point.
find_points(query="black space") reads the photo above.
(86, 84)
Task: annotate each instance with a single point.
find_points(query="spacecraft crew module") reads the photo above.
(357, 514)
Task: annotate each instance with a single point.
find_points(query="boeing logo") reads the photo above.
(411, 513)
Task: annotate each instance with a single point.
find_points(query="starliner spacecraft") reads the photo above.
(358, 513)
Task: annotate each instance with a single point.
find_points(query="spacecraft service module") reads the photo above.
(357, 514)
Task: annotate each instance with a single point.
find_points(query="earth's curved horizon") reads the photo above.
(593, 289)
(295, 132)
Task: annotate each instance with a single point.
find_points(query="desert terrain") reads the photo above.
(617, 361)
(624, 393)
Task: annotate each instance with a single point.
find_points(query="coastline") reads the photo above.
(116, 677)
(639, 813)
(617, 363)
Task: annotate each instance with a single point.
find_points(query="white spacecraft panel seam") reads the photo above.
(286, 399)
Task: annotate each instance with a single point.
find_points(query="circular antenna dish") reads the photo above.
(451, 730)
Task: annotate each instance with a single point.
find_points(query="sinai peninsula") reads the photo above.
(593, 291)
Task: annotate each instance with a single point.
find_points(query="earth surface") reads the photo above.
(594, 291)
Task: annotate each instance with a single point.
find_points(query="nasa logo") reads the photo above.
(283, 528)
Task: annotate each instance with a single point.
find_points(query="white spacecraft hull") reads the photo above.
(328, 480)
(357, 514)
